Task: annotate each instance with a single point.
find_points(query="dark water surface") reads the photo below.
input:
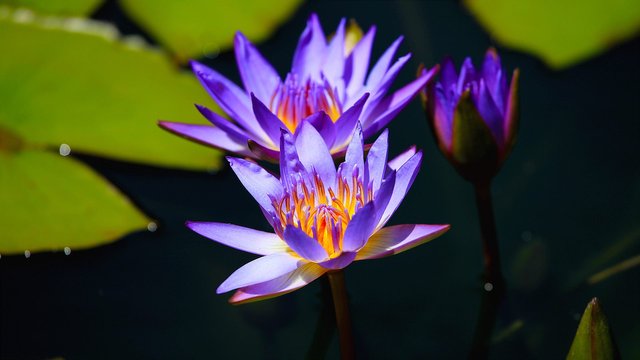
(567, 204)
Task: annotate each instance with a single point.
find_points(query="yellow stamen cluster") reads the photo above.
(292, 101)
(322, 212)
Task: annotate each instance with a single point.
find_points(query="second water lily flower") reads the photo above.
(474, 115)
(323, 218)
(329, 86)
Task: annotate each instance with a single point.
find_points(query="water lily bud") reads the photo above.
(593, 339)
(474, 115)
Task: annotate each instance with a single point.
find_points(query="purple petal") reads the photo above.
(325, 126)
(395, 239)
(357, 63)
(289, 162)
(340, 262)
(262, 152)
(257, 74)
(314, 154)
(310, 53)
(467, 74)
(268, 121)
(448, 75)
(493, 75)
(333, 66)
(238, 237)
(359, 228)
(383, 86)
(227, 126)
(304, 245)
(354, 158)
(279, 286)
(390, 107)
(380, 68)
(490, 113)
(383, 196)
(443, 116)
(231, 99)
(377, 159)
(207, 135)
(401, 159)
(346, 124)
(404, 179)
(260, 184)
(260, 270)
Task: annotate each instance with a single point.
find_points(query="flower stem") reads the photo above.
(343, 319)
(491, 252)
(493, 282)
(326, 325)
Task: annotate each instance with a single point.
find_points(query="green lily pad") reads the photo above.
(57, 7)
(593, 339)
(198, 27)
(562, 33)
(75, 82)
(51, 202)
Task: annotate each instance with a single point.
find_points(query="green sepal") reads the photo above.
(512, 115)
(474, 151)
(593, 339)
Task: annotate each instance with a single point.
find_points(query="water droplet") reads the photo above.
(67, 250)
(152, 226)
(211, 52)
(527, 236)
(27, 254)
(65, 149)
(488, 287)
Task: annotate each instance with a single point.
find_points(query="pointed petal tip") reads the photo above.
(221, 289)
(197, 67)
(231, 160)
(491, 51)
(239, 36)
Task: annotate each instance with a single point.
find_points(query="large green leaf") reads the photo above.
(57, 7)
(52, 202)
(561, 32)
(74, 82)
(194, 28)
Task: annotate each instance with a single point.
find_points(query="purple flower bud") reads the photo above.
(474, 115)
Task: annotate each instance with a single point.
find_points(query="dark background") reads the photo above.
(567, 205)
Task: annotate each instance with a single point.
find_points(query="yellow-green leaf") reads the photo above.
(194, 28)
(50, 202)
(75, 82)
(57, 7)
(593, 339)
(561, 32)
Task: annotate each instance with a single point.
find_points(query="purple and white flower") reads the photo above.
(323, 218)
(329, 86)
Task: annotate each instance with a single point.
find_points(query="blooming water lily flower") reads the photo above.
(327, 86)
(323, 218)
(474, 115)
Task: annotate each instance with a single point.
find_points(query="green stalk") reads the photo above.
(493, 281)
(343, 319)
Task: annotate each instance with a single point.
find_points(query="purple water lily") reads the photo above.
(327, 86)
(323, 218)
(474, 115)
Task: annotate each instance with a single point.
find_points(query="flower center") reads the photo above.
(322, 212)
(293, 101)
